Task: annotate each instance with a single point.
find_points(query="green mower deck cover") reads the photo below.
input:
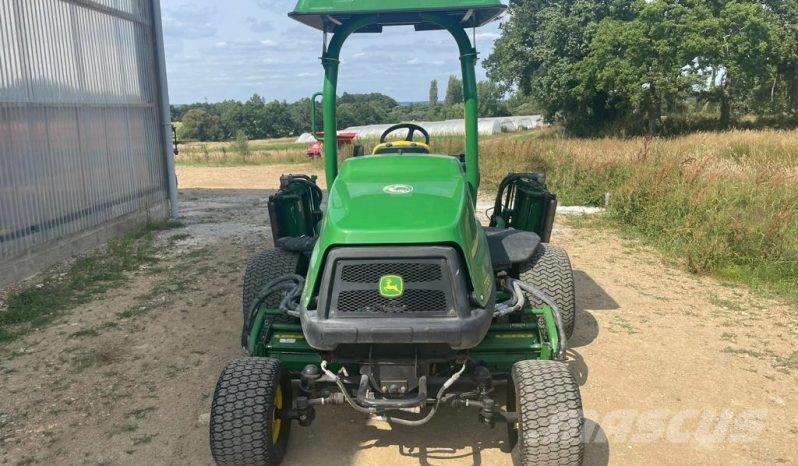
(403, 200)
(332, 13)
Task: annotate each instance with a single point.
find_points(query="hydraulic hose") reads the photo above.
(344, 391)
(431, 413)
(291, 284)
(406, 422)
(559, 353)
(516, 303)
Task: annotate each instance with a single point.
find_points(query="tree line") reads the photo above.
(260, 119)
(645, 65)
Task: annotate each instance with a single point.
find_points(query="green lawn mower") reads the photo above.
(394, 300)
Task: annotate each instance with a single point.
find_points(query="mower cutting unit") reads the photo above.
(395, 300)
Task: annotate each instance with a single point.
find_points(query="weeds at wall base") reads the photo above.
(36, 306)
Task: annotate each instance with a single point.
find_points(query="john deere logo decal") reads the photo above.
(398, 189)
(391, 286)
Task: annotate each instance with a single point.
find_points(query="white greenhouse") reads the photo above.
(487, 127)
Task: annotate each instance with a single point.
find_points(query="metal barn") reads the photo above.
(85, 147)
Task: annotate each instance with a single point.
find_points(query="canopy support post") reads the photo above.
(468, 62)
(330, 60)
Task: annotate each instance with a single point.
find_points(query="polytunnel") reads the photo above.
(486, 127)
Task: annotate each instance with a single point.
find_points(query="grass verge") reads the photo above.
(36, 306)
(238, 153)
(724, 203)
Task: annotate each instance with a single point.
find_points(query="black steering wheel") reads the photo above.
(411, 131)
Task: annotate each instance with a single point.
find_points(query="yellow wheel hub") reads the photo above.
(276, 421)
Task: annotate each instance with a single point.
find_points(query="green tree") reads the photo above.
(433, 92)
(254, 118)
(199, 125)
(598, 64)
(491, 100)
(300, 116)
(737, 43)
(520, 104)
(637, 63)
(539, 49)
(786, 43)
(232, 117)
(277, 120)
(454, 91)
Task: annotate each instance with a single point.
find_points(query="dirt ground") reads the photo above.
(673, 368)
(243, 177)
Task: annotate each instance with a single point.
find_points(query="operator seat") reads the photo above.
(401, 147)
(509, 247)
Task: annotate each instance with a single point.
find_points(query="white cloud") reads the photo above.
(487, 36)
(189, 22)
(230, 50)
(259, 25)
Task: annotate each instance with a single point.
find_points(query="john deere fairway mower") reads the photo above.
(395, 300)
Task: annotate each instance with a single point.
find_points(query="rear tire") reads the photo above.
(550, 272)
(245, 426)
(263, 268)
(550, 429)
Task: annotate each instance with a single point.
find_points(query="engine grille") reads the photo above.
(410, 272)
(428, 287)
(412, 301)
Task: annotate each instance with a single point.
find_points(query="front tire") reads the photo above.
(550, 428)
(245, 424)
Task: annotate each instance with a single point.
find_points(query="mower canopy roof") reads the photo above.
(330, 14)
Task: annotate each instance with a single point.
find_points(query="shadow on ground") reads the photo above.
(590, 296)
(597, 450)
(340, 436)
(454, 437)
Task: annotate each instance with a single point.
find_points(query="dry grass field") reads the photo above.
(233, 153)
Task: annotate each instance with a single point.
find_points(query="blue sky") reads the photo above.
(233, 49)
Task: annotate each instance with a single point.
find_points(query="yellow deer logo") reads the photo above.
(391, 286)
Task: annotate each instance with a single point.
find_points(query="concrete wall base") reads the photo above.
(17, 269)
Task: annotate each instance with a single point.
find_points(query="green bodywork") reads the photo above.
(439, 209)
(410, 199)
(329, 15)
(382, 223)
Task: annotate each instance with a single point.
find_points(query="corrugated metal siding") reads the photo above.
(80, 137)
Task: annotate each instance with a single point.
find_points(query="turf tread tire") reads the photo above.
(551, 422)
(242, 410)
(263, 268)
(550, 271)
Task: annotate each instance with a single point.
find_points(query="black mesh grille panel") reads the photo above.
(410, 272)
(370, 301)
(427, 291)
